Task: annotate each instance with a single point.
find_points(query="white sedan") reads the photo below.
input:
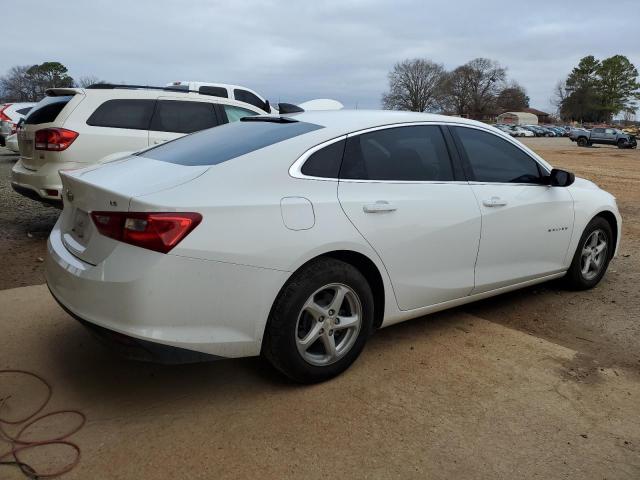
(297, 236)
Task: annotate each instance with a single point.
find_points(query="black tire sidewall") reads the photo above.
(280, 346)
(574, 275)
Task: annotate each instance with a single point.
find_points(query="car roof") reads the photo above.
(343, 121)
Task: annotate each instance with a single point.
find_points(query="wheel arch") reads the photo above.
(364, 265)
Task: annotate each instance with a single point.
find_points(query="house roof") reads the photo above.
(535, 112)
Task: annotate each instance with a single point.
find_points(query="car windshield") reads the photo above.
(219, 144)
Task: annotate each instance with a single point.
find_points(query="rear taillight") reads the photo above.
(54, 139)
(3, 116)
(154, 231)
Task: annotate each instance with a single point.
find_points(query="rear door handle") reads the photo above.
(379, 207)
(494, 202)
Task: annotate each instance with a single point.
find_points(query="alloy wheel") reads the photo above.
(328, 324)
(594, 253)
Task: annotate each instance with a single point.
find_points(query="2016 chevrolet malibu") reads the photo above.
(297, 236)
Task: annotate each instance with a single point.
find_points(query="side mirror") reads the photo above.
(561, 178)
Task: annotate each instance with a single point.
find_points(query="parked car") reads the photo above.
(223, 90)
(10, 115)
(538, 132)
(506, 129)
(604, 136)
(296, 236)
(522, 132)
(76, 127)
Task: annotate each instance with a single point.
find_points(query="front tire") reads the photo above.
(622, 143)
(319, 322)
(591, 260)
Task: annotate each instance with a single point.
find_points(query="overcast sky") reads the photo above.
(298, 50)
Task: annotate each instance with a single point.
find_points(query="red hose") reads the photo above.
(19, 445)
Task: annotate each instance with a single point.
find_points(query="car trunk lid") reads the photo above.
(110, 187)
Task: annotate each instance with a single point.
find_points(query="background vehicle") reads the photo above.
(10, 115)
(336, 222)
(603, 136)
(223, 90)
(76, 127)
(522, 132)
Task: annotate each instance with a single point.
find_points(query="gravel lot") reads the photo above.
(539, 383)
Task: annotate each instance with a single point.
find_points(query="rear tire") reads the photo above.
(319, 322)
(591, 259)
(582, 142)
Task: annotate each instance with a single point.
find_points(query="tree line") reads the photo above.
(27, 83)
(477, 89)
(597, 90)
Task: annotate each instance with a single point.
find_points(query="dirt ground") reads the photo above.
(540, 383)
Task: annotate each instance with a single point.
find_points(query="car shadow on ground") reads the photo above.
(93, 371)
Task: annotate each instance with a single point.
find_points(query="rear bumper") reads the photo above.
(202, 306)
(138, 349)
(47, 177)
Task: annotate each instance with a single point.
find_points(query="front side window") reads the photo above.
(250, 98)
(131, 114)
(493, 159)
(415, 153)
(236, 113)
(183, 117)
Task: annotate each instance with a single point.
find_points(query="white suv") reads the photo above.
(74, 127)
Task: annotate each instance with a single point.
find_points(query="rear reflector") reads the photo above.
(54, 139)
(51, 192)
(158, 231)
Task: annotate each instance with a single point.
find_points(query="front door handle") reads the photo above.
(494, 202)
(379, 207)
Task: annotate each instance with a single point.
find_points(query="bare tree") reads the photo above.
(414, 85)
(559, 95)
(88, 80)
(15, 85)
(486, 80)
(471, 89)
(457, 91)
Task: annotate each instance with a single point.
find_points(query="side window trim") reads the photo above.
(542, 170)
(457, 164)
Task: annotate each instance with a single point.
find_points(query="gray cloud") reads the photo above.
(293, 51)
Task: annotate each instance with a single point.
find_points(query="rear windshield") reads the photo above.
(47, 110)
(223, 143)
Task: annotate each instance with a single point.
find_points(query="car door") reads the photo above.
(526, 225)
(597, 134)
(175, 117)
(400, 189)
(610, 135)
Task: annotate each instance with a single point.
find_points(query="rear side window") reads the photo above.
(132, 114)
(416, 153)
(250, 98)
(214, 91)
(493, 159)
(47, 110)
(325, 162)
(183, 117)
(236, 113)
(217, 145)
